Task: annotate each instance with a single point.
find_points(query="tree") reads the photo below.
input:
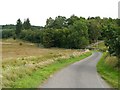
(112, 40)
(94, 30)
(80, 33)
(60, 22)
(18, 27)
(72, 19)
(48, 38)
(49, 23)
(26, 24)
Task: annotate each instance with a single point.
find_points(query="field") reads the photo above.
(13, 49)
(21, 59)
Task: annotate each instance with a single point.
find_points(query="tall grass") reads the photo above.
(39, 76)
(108, 71)
(34, 74)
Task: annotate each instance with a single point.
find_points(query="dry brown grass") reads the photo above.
(111, 61)
(12, 49)
(20, 60)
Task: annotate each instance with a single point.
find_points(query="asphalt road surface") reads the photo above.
(82, 74)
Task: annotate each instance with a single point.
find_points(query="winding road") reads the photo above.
(82, 74)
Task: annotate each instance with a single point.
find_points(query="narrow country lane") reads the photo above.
(82, 74)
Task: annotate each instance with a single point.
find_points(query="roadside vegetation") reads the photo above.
(38, 77)
(112, 41)
(107, 67)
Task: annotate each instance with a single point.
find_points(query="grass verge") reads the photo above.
(107, 72)
(39, 76)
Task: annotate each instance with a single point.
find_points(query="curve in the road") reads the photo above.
(82, 74)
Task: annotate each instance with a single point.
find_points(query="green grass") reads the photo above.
(39, 76)
(100, 47)
(107, 72)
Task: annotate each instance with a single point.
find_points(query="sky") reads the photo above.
(39, 10)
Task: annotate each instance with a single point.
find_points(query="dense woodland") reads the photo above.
(74, 32)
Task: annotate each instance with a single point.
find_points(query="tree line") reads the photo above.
(73, 32)
(112, 40)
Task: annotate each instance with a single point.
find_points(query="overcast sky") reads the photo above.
(39, 10)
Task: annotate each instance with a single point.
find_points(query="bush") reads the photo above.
(8, 33)
(20, 44)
